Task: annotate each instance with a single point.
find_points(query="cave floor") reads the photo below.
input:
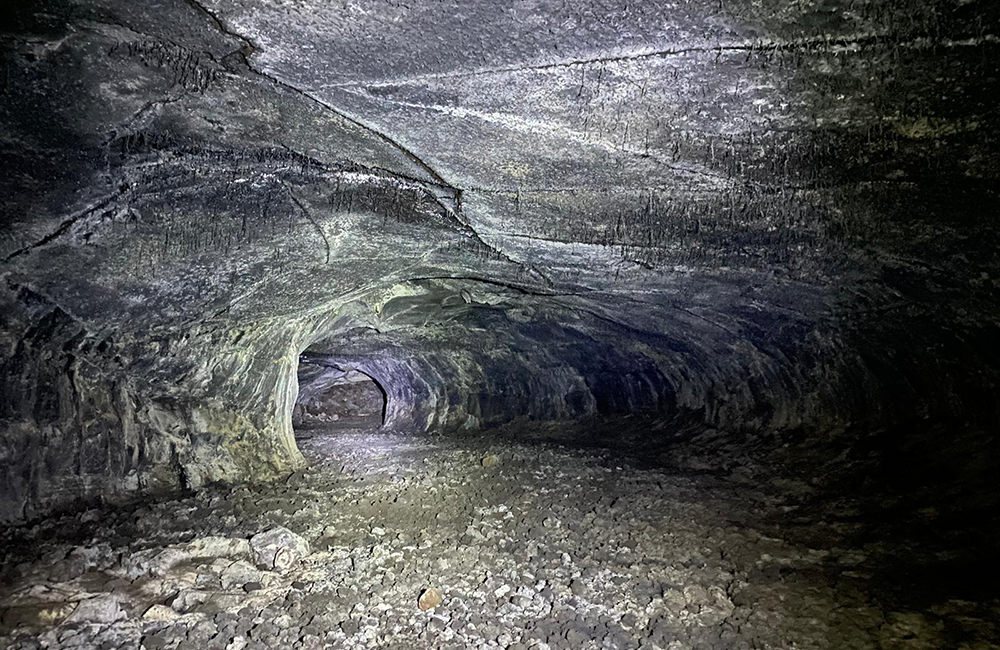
(530, 544)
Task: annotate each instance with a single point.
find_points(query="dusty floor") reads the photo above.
(531, 545)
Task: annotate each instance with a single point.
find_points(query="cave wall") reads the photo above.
(454, 355)
(165, 250)
(87, 417)
(331, 394)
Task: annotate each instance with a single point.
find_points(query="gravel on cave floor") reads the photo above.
(530, 545)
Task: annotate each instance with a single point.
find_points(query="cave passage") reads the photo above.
(499, 324)
(334, 398)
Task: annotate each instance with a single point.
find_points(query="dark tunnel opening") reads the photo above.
(336, 397)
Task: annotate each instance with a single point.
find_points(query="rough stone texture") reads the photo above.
(328, 393)
(749, 221)
(279, 548)
(560, 547)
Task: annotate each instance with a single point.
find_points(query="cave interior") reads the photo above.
(519, 324)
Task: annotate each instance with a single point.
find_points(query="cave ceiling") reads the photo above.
(242, 160)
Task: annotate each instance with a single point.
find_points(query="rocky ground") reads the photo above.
(389, 541)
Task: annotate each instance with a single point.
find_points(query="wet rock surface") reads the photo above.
(414, 543)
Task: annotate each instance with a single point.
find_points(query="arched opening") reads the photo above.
(336, 396)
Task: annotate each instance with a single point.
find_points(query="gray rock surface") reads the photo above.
(749, 245)
(278, 548)
(97, 609)
(764, 215)
(560, 548)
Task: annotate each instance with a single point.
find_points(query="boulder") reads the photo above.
(278, 549)
(99, 609)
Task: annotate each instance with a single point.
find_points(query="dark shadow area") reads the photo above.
(918, 512)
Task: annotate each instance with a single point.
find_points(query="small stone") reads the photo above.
(490, 460)
(160, 613)
(238, 643)
(252, 586)
(578, 637)
(187, 599)
(520, 601)
(429, 599)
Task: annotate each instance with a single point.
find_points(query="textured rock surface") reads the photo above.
(558, 547)
(278, 548)
(329, 393)
(772, 219)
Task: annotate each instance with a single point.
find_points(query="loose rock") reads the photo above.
(429, 599)
(279, 548)
(99, 609)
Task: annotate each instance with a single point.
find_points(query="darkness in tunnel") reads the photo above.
(335, 397)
